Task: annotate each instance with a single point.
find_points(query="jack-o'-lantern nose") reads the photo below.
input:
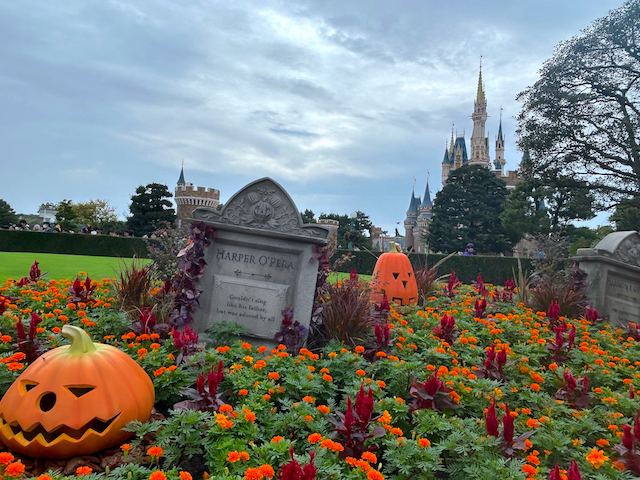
(47, 401)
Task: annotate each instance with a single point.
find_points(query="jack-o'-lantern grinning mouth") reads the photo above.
(96, 426)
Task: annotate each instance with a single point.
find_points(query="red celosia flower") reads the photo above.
(555, 473)
(507, 427)
(491, 420)
(553, 312)
(574, 472)
(627, 437)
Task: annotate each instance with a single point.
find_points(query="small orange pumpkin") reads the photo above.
(74, 400)
(393, 276)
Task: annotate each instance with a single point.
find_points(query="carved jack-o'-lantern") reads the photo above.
(393, 276)
(74, 400)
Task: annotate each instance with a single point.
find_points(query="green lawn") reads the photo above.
(335, 276)
(16, 265)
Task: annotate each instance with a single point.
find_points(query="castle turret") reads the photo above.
(479, 141)
(410, 219)
(188, 198)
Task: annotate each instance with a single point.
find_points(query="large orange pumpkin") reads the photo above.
(74, 400)
(393, 276)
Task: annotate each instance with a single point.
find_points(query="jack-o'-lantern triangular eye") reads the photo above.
(395, 275)
(79, 390)
(28, 385)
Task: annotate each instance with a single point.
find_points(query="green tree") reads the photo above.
(308, 216)
(467, 210)
(96, 213)
(66, 215)
(352, 229)
(582, 117)
(7, 216)
(524, 212)
(150, 209)
(627, 214)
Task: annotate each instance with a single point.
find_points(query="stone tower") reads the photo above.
(410, 221)
(479, 141)
(188, 198)
(421, 228)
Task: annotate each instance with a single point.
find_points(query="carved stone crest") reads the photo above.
(629, 250)
(263, 205)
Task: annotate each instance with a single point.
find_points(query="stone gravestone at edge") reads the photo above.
(262, 260)
(613, 276)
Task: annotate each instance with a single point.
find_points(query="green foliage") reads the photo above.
(581, 118)
(351, 230)
(66, 216)
(7, 215)
(94, 213)
(627, 214)
(308, 216)
(75, 244)
(467, 210)
(524, 213)
(150, 209)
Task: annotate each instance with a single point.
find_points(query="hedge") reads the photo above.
(494, 269)
(72, 243)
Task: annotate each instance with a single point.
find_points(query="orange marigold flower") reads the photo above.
(424, 443)
(535, 387)
(185, 476)
(267, 470)
(602, 442)
(529, 469)
(15, 469)
(13, 366)
(359, 349)
(157, 475)
(83, 470)
(327, 378)
(225, 408)
(243, 392)
(308, 399)
(331, 445)
(374, 475)
(125, 447)
(155, 451)
(314, 438)
(277, 439)
(233, 456)
(369, 457)
(360, 372)
(6, 458)
(253, 474)
(323, 409)
(244, 456)
(44, 476)
(596, 458)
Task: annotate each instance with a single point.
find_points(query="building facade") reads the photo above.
(419, 213)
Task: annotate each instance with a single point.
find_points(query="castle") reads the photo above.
(419, 213)
(188, 198)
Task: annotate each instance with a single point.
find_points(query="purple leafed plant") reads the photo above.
(493, 364)
(192, 264)
(292, 333)
(561, 346)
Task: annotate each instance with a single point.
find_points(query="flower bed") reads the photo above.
(456, 390)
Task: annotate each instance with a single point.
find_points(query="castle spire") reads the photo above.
(181, 178)
(480, 98)
(479, 141)
(426, 200)
(500, 137)
(500, 161)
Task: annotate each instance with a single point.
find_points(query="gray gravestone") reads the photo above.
(263, 259)
(613, 276)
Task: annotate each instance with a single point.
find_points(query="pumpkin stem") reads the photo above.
(394, 248)
(80, 340)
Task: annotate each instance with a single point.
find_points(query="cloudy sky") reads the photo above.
(342, 102)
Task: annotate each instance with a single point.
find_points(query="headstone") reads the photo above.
(263, 260)
(613, 276)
